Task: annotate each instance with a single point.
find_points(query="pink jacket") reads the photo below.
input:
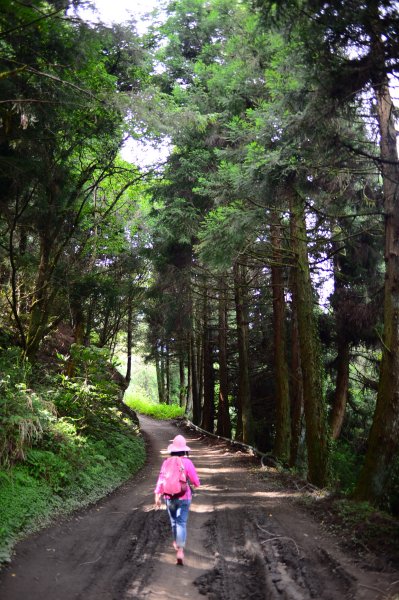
(191, 474)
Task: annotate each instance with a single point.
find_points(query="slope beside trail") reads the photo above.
(246, 540)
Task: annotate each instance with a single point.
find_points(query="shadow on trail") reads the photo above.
(246, 539)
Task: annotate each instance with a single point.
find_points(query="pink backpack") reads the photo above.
(175, 479)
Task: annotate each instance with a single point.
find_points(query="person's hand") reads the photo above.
(158, 502)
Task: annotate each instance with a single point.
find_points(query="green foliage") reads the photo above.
(158, 411)
(88, 398)
(143, 380)
(23, 501)
(52, 464)
(55, 482)
(179, 222)
(224, 234)
(357, 525)
(354, 512)
(54, 469)
(63, 120)
(23, 414)
(345, 466)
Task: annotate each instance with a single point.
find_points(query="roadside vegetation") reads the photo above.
(360, 529)
(154, 409)
(63, 442)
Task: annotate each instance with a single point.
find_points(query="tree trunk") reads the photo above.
(340, 399)
(194, 378)
(162, 372)
(89, 324)
(129, 346)
(17, 287)
(282, 399)
(223, 420)
(245, 426)
(384, 434)
(200, 372)
(208, 411)
(167, 375)
(78, 325)
(21, 291)
(189, 398)
(160, 384)
(317, 439)
(182, 382)
(341, 388)
(296, 381)
(105, 327)
(39, 311)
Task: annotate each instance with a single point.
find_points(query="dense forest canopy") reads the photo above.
(260, 258)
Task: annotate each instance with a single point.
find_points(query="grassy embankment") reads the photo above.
(63, 442)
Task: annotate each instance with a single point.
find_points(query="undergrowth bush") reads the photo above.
(87, 398)
(25, 505)
(23, 414)
(48, 484)
(345, 466)
(61, 454)
(158, 411)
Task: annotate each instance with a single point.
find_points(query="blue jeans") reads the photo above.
(178, 514)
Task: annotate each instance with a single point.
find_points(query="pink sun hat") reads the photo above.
(178, 444)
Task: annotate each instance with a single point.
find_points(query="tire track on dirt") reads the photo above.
(136, 543)
(266, 548)
(247, 540)
(254, 559)
(94, 554)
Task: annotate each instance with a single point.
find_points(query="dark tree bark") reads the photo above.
(245, 426)
(208, 411)
(194, 379)
(340, 399)
(200, 371)
(317, 437)
(129, 342)
(160, 375)
(384, 435)
(189, 397)
(223, 419)
(296, 380)
(182, 381)
(167, 375)
(341, 388)
(40, 304)
(282, 399)
(78, 326)
(89, 321)
(17, 287)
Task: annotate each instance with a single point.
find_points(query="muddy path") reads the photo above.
(246, 540)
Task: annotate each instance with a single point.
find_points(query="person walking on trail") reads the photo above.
(176, 477)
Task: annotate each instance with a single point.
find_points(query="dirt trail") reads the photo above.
(246, 540)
